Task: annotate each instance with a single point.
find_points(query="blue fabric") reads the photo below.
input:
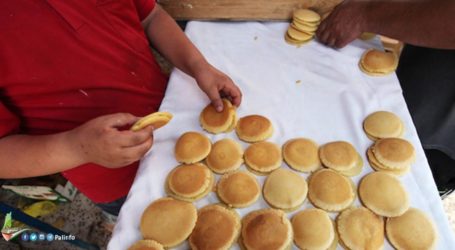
(113, 207)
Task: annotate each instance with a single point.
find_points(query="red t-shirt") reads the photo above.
(66, 62)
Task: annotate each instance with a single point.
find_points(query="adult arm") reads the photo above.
(427, 23)
(167, 37)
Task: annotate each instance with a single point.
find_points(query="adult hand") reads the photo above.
(218, 85)
(101, 141)
(346, 23)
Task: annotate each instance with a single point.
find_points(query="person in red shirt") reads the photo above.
(75, 74)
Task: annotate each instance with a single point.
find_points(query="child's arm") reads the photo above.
(168, 38)
(97, 141)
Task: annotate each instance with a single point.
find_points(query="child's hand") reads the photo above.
(100, 141)
(217, 85)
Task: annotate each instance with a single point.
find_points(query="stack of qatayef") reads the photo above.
(189, 182)
(391, 155)
(304, 25)
(378, 63)
(218, 122)
(342, 157)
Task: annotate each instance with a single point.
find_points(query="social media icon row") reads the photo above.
(37, 236)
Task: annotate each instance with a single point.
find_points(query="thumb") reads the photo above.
(215, 97)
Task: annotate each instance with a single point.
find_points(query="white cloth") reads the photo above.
(312, 91)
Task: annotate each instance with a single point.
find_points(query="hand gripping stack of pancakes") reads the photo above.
(203, 168)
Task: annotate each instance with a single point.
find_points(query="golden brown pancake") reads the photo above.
(218, 122)
(330, 190)
(238, 189)
(376, 165)
(292, 41)
(266, 229)
(263, 157)
(298, 35)
(308, 28)
(168, 221)
(359, 228)
(226, 156)
(394, 153)
(356, 170)
(383, 194)
(307, 15)
(301, 154)
(377, 63)
(412, 230)
(336, 240)
(338, 155)
(217, 227)
(157, 120)
(285, 189)
(382, 124)
(313, 229)
(189, 182)
(365, 36)
(146, 245)
(192, 147)
(254, 128)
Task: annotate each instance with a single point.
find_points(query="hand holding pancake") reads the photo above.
(101, 141)
(217, 85)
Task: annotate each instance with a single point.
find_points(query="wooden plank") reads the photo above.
(238, 10)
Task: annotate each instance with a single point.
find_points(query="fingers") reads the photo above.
(216, 86)
(323, 33)
(234, 94)
(331, 41)
(341, 43)
(321, 29)
(128, 138)
(120, 120)
(136, 152)
(215, 98)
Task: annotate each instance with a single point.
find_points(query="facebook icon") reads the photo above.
(24, 236)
